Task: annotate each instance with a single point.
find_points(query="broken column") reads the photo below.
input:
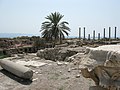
(17, 69)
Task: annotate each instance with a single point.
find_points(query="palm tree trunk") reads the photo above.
(60, 38)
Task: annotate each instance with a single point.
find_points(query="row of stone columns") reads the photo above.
(104, 33)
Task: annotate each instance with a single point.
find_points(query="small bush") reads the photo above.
(40, 42)
(3, 56)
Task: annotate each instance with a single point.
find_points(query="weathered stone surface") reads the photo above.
(105, 54)
(56, 54)
(107, 77)
(112, 59)
(76, 57)
(74, 42)
(17, 69)
(48, 53)
(108, 74)
(62, 45)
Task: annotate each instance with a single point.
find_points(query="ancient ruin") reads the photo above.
(67, 64)
(106, 71)
(17, 69)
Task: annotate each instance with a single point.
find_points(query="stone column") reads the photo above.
(109, 33)
(104, 34)
(94, 35)
(115, 31)
(88, 36)
(98, 36)
(79, 33)
(17, 69)
(84, 33)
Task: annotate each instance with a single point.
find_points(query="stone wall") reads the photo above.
(10, 51)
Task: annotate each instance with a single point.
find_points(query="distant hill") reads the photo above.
(12, 35)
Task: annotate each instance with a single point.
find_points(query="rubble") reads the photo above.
(56, 54)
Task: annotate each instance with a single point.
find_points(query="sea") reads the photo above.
(13, 35)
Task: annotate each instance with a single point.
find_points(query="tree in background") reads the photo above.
(53, 29)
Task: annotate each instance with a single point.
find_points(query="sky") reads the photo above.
(26, 16)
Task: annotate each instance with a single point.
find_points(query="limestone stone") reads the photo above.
(107, 77)
(105, 61)
(17, 69)
(56, 54)
(106, 54)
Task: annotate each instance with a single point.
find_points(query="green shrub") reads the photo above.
(3, 56)
(40, 42)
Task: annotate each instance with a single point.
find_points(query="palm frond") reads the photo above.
(53, 28)
(64, 22)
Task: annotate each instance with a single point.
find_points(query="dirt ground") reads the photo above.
(51, 76)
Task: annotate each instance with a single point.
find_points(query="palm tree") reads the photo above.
(53, 29)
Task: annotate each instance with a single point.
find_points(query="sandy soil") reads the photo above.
(52, 76)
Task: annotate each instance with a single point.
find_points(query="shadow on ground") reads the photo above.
(97, 88)
(16, 78)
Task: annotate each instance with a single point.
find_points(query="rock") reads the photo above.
(35, 79)
(100, 53)
(73, 42)
(75, 68)
(60, 71)
(36, 72)
(104, 76)
(33, 71)
(69, 70)
(65, 63)
(59, 63)
(78, 76)
(73, 46)
(48, 54)
(36, 58)
(108, 55)
(59, 54)
(62, 45)
(75, 57)
(70, 42)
